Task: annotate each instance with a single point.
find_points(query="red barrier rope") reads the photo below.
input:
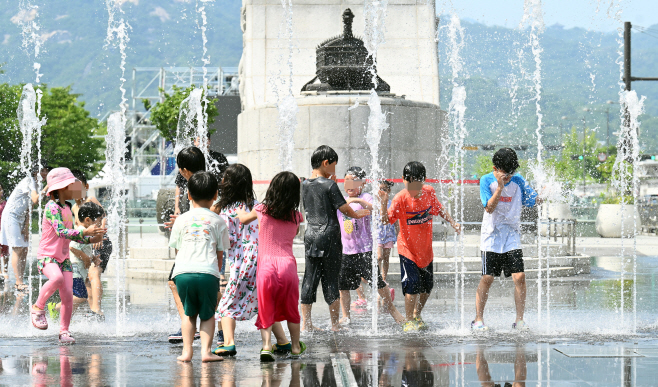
(432, 181)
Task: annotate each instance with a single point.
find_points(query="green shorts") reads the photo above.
(198, 293)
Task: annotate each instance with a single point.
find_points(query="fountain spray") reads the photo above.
(375, 15)
(117, 29)
(202, 119)
(287, 104)
(191, 117)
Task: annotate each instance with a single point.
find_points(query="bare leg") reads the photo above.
(359, 291)
(18, 256)
(482, 369)
(266, 335)
(383, 256)
(422, 300)
(410, 301)
(520, 368)
(519, 294)
(345, 300)
(385, 294)
(207, 331)
(279, 333)
(188, 328)
(482, 295)
(334, 314)
(307, 323)
(294, 337)
(179, 304)
(96, 286)
(228, 326)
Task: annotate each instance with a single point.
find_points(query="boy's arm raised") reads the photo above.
(348, 211)
(493, 201)
(445, 215)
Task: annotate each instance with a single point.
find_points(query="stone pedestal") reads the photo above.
(414, 134)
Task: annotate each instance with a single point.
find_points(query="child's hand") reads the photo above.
(362, 213)
(383, 197)
(96, 239)
(353, 200)
(94, 231)
(457, 227)
(96, 259)
(170, 224)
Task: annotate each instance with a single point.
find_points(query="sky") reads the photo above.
(569, 13)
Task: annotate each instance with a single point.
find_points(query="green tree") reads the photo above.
(67, 138)
(164, 115)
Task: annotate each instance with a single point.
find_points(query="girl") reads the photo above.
(53, 256)
(278, 283)
(356, 236)
(388, 235)
(4, 250)
(239, 300)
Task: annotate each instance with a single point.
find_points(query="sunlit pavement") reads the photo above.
(582, 339)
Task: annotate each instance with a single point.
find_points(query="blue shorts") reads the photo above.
(415, 280)
(79, 288)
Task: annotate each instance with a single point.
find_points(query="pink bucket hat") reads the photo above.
(59, 178)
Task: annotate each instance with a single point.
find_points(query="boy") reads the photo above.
(414, 207)
(81, 259)
(503, 193)
(102, 249)
(199, 236)
(322, 243)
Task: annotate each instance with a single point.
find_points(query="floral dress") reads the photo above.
(239, 301)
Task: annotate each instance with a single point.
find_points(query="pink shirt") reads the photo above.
(275, 236)
(58, 232)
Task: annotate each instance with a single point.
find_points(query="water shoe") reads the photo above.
(267, 356)
(421, 324)
(478, 326)
(410, 326)
(520, 326)
(176, 338)
(38, 318)
(65, 338)
(282, 349)
(301, 352)
(225, 350)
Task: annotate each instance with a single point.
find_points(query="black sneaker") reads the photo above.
(220, 338)
(197, 335)
(176, 338)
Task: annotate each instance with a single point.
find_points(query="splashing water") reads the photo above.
(190, 120)
(117, 29)
(375, 16)
(30, 33)
(202, 120)
(547, 184)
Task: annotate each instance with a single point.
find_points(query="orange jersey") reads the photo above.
(415, 216)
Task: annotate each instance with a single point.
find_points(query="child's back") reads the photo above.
(322, 198)
(276, 236)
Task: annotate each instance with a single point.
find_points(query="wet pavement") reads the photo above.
(584, 338)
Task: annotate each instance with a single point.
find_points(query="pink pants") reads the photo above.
(63, 282)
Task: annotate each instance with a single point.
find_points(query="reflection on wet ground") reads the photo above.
(587, 343)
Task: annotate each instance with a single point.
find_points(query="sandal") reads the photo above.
(302, 346)
(266, 356)
(225, 350)
(282, 349)
(65, 338)
(38, 318)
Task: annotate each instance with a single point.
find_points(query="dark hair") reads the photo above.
(324, 152)
(414, 171)
(506, 160)
(357, 172)
(34, 168)
(90, 210)
(236, 187)
(79, 175)
(282, 197)
(387, 183)
(202, 186)
(192, 159)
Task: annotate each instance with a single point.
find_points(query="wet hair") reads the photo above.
(282, 197)
(34, 169)
(192, 159)
(414, 171)
(237, 186)
(324, 152)
(506, 159)
(387, 183)
(79, 175)
(357, 172)
(90, 210)
(202, 186)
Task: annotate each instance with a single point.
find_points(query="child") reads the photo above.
(189, 161)
(277, 280)
(4, 250)
(103, 250)
(388, 234)
(239, 301)
(414, 207)
(322, 242)
(199, 236)
(53, 256)
(82, 258)
(503, 193)
(356, 238)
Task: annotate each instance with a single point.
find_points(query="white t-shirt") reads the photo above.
(79, 269)
(20, 199)
(501, 229)
(198, 235)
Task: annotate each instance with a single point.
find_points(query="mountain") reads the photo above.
(578, 68)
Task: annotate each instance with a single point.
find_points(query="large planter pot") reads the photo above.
(609, 221)
(559, 211)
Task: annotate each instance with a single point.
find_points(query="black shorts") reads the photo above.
(356, 266)
(415, 280)
(509, 262)
(326, 269)
(105, 251)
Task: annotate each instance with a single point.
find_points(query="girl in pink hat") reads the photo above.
(53, 257)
